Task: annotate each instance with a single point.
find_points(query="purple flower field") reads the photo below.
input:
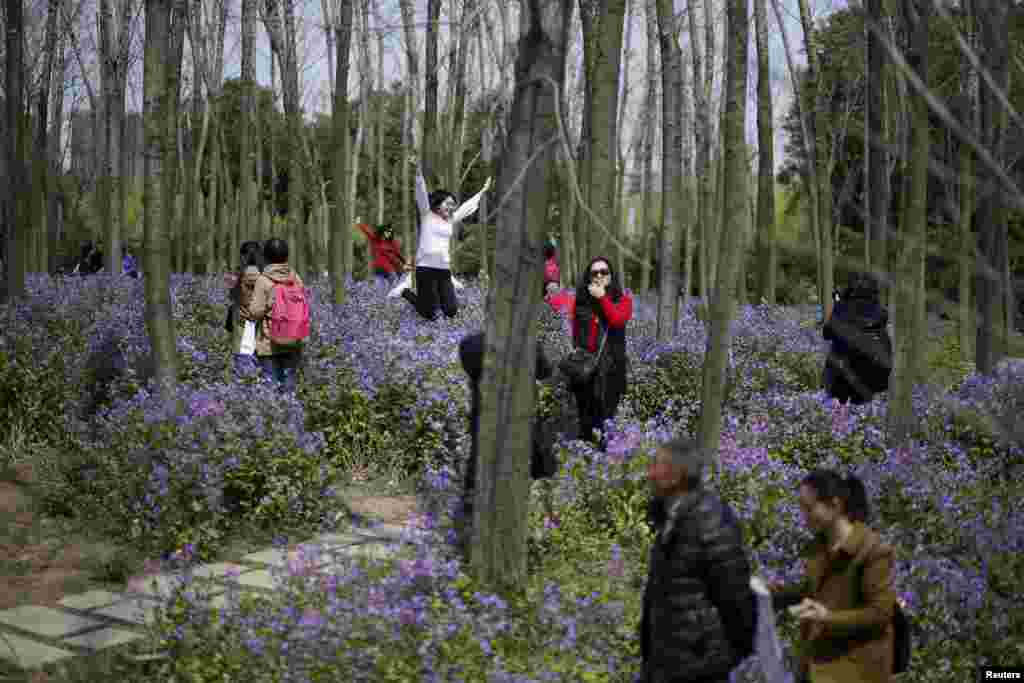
(382, 388)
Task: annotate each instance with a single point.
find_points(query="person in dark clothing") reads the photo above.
(601, 307)
(471, 354)
(860, 358)
(699, 614)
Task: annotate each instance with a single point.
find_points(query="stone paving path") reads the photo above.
(33, 636)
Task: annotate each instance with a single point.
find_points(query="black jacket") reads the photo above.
(699, 613)
(471, 353)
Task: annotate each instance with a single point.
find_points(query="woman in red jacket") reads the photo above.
(385, 250)
(601, 308)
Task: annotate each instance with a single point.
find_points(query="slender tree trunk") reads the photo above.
(53, 154)
(603, 52)
(671, 171)
(820, 160)
(341, 229)
(765, 159)
(994, 33)
(909, 337)
(876, 159)
(40, 155)
(498, 548)
(248, 176)
(650, 125)
(158, 119)
(723, 304)
(702, 141)
(15, 255)
(428, 153)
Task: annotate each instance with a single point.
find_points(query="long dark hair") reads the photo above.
(849, 491)
(583, 297)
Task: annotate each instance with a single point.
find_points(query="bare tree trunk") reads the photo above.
(159, 122)
(602, 46)
(109, 140)
(427, 151)
(249, 161)
(40, 156)
(765, 159)
(992, 228)
(876, 156)
(498, 549)
(341, 228)
(702, 140)
(55, 193)
(820, 160)
(723, 304)
(909, 336)
(671, 171)
(650, 123)
(14, 257)
(969, 114)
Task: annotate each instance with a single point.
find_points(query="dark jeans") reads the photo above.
(434, 289)
(282, 368)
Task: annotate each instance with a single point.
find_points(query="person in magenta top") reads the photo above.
(600, 307)
(385, 250)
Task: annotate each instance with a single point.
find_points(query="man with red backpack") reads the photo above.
(280, 307)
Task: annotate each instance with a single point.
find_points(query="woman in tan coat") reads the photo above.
(846, 602)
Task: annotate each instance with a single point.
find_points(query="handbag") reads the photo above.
(902, 642)
(579, 365)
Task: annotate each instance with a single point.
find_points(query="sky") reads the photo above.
(386, 19)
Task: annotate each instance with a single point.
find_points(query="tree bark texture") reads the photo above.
(671, 171)
(765, 159)
(498, 550)
(909, 338)
(723, 304)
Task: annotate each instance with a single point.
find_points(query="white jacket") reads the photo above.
(434, 249)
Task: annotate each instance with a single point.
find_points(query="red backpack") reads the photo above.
(289, 317)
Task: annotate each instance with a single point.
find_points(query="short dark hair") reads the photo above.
(275, 250)
(549, 250)
(861, 285)
(252, 254)
(849, 491)
(437, 197)
(687, 453)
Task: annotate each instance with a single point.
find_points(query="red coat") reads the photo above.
(562, 302)
(616, 314)
(387, 254)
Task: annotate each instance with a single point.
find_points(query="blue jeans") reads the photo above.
(282, 368)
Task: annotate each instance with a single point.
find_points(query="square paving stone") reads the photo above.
(90, 600)
(369, 550)
(164, 585)
(389, 531)
(30, 654)
(137, 610)
(260, 579)
(107, 637)
(46, 621)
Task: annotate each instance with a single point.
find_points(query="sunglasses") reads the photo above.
(600, 272)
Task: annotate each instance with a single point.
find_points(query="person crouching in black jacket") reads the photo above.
(471, 353)
(859, 362)
(699, 612)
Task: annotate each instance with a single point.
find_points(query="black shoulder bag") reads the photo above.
(580, 364)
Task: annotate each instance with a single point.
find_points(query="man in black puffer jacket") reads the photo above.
(699, 612)
(859, 362)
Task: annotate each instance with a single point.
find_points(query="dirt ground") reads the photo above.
(31, 571)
